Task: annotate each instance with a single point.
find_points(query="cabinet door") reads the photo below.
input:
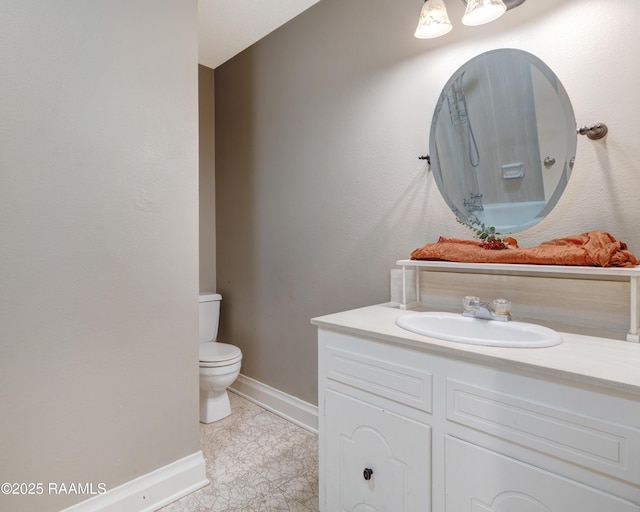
(479, 480)
(376, 461)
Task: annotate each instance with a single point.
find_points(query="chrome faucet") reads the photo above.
(498, 309)
(471, 205)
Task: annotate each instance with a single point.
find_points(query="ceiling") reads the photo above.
(226, 27)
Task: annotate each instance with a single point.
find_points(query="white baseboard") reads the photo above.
(293, 409)
(151, 491)
(165, 485)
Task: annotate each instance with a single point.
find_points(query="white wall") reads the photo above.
(318, 184)
(98, 250)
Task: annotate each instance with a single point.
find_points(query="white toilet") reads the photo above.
(219, 362)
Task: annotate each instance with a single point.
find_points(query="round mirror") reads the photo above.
(503, 140)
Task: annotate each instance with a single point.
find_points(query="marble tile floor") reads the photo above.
(256, 462)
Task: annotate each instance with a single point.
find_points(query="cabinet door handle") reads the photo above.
(367, 473)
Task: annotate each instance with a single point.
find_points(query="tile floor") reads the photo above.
(256, 462)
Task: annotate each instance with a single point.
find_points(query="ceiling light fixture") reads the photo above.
(434, 21)
(479, 12)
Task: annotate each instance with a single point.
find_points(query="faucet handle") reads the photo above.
(471, 303)
(501, 306)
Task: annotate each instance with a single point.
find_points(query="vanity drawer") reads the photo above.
(570, 435)
(394, 375)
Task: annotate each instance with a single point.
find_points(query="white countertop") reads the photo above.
(592, 360)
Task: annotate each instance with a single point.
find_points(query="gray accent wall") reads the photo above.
(207, 180)
(319, 189)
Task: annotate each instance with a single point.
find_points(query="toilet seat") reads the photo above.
(214, 354)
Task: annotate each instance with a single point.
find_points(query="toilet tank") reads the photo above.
(209, 316)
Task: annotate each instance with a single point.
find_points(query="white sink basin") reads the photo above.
(454, 327)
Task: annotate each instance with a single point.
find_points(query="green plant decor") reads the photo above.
(488, 235)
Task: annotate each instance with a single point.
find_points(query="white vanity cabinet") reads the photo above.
(375, 445)
(407, 425)
(375, 457)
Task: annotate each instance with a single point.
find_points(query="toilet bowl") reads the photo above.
(219, 362)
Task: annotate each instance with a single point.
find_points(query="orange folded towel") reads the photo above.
(595, 249)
